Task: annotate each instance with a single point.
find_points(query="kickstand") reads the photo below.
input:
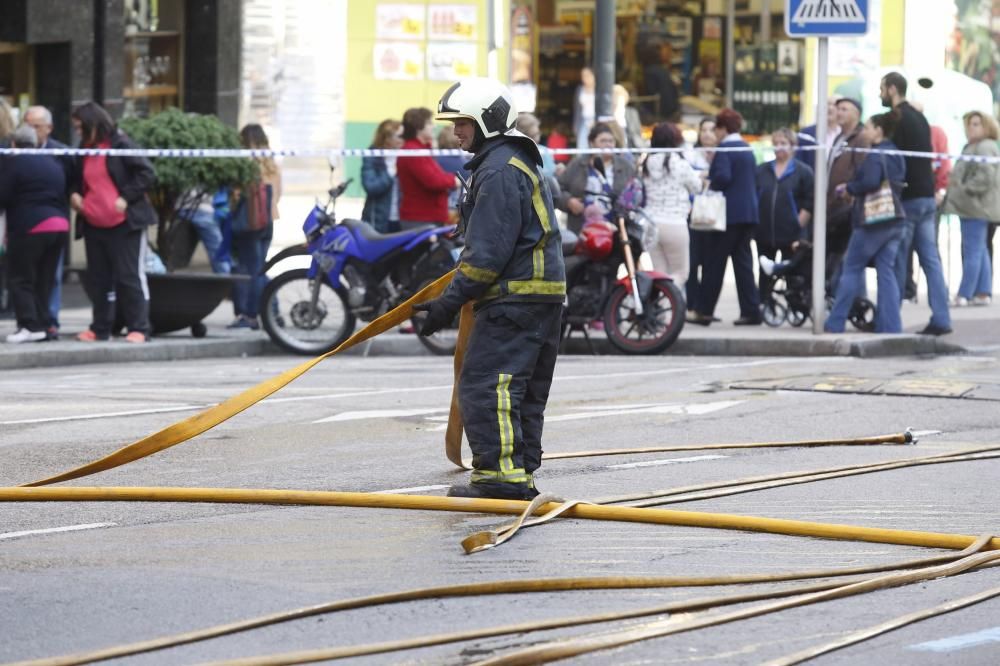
(368, 347)
(586, 336)
(567, 333)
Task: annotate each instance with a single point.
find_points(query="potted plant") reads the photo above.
(182, 181)
(181, 300)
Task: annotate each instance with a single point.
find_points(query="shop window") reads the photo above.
(15, 73)
(152, 56)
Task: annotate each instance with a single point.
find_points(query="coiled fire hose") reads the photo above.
(184, 430)
(512, 587)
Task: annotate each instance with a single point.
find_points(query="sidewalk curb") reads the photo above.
(68, 353)
(51, 354)
(871, 346)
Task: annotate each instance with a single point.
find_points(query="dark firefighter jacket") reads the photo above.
(512, 246)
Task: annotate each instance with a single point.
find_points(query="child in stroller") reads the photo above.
(787, 296)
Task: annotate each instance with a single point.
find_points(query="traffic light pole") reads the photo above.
(819, 197)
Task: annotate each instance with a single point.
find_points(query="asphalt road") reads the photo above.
(131, 571)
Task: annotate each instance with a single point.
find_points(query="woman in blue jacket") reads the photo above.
(378, 177)
(732, 173)
(878, 241)
(785, 188)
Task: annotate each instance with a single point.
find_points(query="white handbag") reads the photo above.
(708, 213)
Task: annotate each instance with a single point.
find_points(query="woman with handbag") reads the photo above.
(733, 174)
(701, 160)
(876, 218)
(974, 195)
(670, 180)
(253, 214)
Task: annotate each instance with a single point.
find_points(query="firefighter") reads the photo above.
(512, 270)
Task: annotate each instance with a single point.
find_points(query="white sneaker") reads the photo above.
(767, 265)
(960, 302)
(982, 299)
(24, 335)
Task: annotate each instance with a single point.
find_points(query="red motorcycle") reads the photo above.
(595, 292)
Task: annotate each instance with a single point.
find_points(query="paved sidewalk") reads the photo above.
(977, 330)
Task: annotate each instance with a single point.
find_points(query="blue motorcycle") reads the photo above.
(356, 273)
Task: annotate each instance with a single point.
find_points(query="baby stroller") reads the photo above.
(786, 290)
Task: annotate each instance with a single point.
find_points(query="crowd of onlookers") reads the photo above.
(882, 208)
(109, 196)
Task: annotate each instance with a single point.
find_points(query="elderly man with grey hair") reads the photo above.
(33, 192)
(40, 118)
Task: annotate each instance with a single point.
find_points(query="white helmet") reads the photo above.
(486, 101)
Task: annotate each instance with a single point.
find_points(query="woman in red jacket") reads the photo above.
(423, 184)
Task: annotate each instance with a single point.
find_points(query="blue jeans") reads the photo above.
(977, 273)
(211, 235)
(920, 232)
(251, 252)
(882, 243)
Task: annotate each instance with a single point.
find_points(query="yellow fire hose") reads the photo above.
(491, 538)
(885, 627)
(564, 649)
(199, 423)
(894, 438)
(190, 427)
(521, 586)
(750, 484)
(469, 505)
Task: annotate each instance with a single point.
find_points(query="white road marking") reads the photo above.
(961, 641)
(415, 489)
(664, 461)
(695, 409)
(379, 414)
(53, 530)
(368, 392)
(108, 415)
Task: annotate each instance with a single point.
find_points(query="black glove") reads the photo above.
(439, 315)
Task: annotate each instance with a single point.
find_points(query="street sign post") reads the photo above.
(823, 19)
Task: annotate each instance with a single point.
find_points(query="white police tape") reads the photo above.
(430, 152)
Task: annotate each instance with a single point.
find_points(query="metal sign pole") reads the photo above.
(819, 203)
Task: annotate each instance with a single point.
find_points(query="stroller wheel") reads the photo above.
(797, 317)
(773, 312)
(862, 315)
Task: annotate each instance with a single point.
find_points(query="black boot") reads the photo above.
(494, 490)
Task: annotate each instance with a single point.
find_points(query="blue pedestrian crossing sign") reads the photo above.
(826, 18)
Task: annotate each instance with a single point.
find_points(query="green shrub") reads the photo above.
(181, 181)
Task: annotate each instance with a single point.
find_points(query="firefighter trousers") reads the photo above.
(504, 385)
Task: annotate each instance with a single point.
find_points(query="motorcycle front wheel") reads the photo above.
(297, 323)
(655, 329)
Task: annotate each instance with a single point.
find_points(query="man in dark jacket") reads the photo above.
(919, 231)
(844, 165)
(513, 272)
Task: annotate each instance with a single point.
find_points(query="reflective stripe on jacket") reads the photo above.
(512, 249)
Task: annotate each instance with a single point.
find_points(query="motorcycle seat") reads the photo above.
(368, 232)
